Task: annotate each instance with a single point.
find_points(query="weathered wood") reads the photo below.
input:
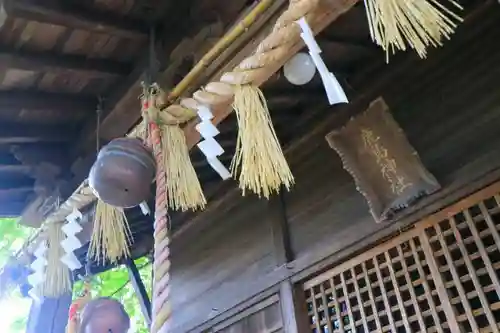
(24, 133)
(48, 62)
(11, 209)
(293, 308)
(386, 168)
(243, 320)
(279, 226)
(36, 100)
(49, 315)
(15, 168)
(121, 109)
(65, 13)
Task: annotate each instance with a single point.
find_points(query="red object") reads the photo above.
(73, 310)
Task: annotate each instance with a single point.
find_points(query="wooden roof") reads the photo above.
(58, 58)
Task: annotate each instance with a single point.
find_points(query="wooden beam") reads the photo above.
(23, 133)
(36, 100)
(283, 251)
(67, 14)
(4, 192)
(293, 308)
(15, 168)
(49, 62)
(11, 209)
(50, 315)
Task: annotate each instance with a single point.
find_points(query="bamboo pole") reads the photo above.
(219, 48)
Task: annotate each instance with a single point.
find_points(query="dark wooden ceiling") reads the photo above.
(58, 58)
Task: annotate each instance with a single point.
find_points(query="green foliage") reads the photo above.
(115, 283)
(12, 237)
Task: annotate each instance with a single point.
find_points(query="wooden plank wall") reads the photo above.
(449, 107)
(223, 259)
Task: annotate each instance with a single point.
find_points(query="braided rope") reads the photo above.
(161, 309)
(273, 49)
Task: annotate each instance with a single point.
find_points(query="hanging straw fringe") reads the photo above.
(183, 187)
(258, 152)
(57, 276)
(111, 235)
(418, 23)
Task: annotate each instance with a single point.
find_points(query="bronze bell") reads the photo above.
(122, 174)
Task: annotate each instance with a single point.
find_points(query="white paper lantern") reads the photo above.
(300, 69)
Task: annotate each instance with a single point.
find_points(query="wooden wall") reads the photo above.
(449, 106)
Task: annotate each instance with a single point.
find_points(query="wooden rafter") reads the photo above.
(12, 209)
(35, 100)
(64, 13)
(11, 133)
(124, 95)
(48, 62)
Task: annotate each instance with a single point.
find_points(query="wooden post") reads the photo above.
(283, 251)
(49, 315)
(140, 290)
(292, 309)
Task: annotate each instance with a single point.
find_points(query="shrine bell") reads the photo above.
(122, 173)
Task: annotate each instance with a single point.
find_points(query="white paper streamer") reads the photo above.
(71, 243)
(334, 91)
(145, 208)
(38, 266)
(209, 146)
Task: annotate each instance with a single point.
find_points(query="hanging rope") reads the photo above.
(161, 309)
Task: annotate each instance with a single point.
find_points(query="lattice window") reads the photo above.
(440, 276)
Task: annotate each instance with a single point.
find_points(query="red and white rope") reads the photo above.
(161, 309)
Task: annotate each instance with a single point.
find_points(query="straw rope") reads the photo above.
(161, 284)
(111, 235)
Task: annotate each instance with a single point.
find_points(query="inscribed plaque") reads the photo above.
(386, 168)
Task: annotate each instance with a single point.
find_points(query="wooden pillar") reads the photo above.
(292, 308)
(140, 290)
(49, 315)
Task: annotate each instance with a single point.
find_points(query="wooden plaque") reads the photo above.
(386, 168)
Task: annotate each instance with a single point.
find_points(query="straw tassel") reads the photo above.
(258, 157)
(57, 276)
(111, 235)
(394, 24)
(183, 187)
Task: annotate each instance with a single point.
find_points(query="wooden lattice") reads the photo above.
(440, 276)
